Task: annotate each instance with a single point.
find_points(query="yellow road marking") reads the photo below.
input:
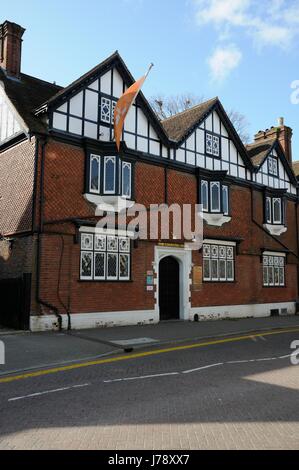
(110, 360)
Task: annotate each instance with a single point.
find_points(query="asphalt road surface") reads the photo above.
(240, 394)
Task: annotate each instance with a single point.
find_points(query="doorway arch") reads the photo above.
(169, 288)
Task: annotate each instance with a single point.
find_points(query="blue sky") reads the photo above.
(244, 51)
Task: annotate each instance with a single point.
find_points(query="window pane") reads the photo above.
(225, 200)
(271, 276)
(216, 150)
(204, 195)
(100, 242)
(109, 173)
(222, 269)
(209, 144)
(268, 210)
(215, 197)
(277, 210)
(105, 110)
(214, 264)
(94, 173)
(265, 276)
(86, 264)
(124, 266)
(112, 266)
(86, 241)
(99, 265)
(281, 276)
(112, 243)
(124, 245)
(230, 270)
(126, 180)
(206, 270)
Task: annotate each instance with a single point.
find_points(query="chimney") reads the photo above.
(10, 48)
(283, 133)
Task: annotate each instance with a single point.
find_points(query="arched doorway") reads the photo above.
(169, 288)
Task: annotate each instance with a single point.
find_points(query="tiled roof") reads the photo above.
(259, 150)
(26, 95)
(178, 125)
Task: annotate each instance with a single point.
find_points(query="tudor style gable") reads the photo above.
(86, 109)
(207, 139)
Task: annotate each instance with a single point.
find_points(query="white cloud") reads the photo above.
(223, 61)
(268, 23)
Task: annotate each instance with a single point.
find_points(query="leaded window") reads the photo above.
(273, 271)
(218, 263)
(212, 145)
(105, 110)
(105, 257)
(273, 166)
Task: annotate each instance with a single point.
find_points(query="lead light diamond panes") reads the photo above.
(124, 264)
(99, 265)
(105, 110)
(86, 264)
(112, 243)
(112, 266)
(209, 144)
(86, 241)
(100, 243)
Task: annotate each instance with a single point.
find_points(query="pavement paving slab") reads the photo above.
(25, 350)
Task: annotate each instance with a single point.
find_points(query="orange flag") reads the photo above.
(123, 105)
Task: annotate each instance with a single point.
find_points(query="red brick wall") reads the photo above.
(64, 185)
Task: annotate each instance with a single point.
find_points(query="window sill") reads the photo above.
(215, 219)
(109, 203)
(275, 229)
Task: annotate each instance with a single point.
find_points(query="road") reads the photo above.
(232, 394)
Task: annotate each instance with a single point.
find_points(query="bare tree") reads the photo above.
(167, 106)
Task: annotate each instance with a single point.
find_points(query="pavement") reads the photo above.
(238, 392)
(29, 351)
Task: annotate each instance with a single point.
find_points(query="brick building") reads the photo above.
(59, 167)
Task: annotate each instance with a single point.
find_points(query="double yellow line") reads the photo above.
(39, 373)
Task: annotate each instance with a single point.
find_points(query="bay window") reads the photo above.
(109, 175)
(214, 197)
(274, 210)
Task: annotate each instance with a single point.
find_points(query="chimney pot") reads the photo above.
(281, 122)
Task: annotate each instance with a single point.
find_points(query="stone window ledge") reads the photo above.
(109, 203)
(217, 219)
(275, 229)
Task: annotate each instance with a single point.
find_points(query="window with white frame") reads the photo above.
(218, 263)
(105, 257)
(107, 110)
(273, 166)
(274, 210)
(273, 270)
(214, 197)
(212, 144)
(109, 175)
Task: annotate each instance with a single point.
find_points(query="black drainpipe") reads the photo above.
(39, 300)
